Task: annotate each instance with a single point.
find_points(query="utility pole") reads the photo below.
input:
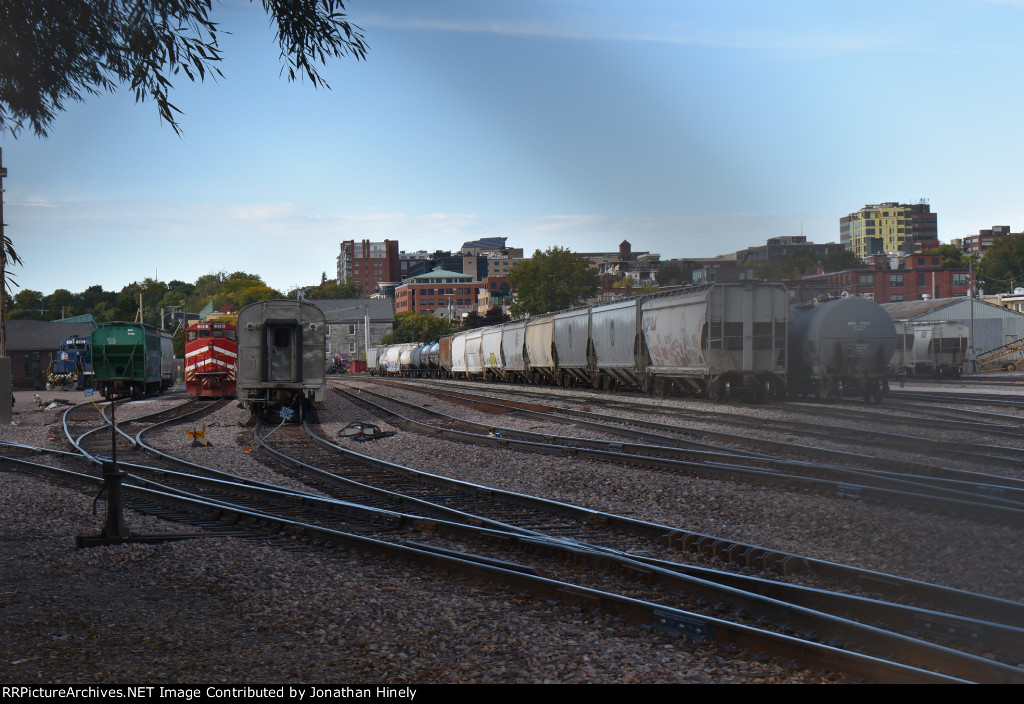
(6, 383)
(3, 263)
(971, 361)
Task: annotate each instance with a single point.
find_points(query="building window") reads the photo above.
(920, 280)
(896, 280)
(327, 331)
(351, 347)
(896, 299)
(867, 279)
(351, 329)
(959, 279)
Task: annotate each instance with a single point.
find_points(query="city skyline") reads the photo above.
(689, 130)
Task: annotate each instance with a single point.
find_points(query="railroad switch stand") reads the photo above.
(115, 529)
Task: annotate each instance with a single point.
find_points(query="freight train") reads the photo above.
(131, 359)
(211, 359)
(710, 341)
(281, 358)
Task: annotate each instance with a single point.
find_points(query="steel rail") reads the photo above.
(671, 618)
(983, 503)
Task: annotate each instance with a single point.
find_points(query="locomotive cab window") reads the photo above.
(191, 335)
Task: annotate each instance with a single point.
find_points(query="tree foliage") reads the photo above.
(53, 51)
(331, 290)
(674, 274)
(1002, 265)
(552, 280)
(236, 289)
(416, 327)
(789, 267)
(952, 257)
(839, 260)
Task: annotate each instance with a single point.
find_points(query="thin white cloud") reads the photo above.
(816, 41)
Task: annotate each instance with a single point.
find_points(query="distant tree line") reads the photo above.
(228, 292)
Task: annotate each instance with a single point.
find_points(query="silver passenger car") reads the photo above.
(281, 358)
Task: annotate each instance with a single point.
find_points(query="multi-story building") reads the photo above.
(410, 259)
(977, 244)
(490, 245)
(449, 292)
(473, 260)
(369, 264)
(889, 227)
(892, 279)
(778, 247)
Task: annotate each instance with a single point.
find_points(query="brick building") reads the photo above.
(437, 290)
(369, 264)
(977, 244)
(893, 279)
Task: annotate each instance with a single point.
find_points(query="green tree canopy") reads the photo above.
(1002, 265)
(791, 266)
(953, 257)
(674, 274)
(52, 51)
(552, 280)
(839, 260)
(331, 290)
(416, 327)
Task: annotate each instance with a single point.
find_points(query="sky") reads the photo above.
(691, 129)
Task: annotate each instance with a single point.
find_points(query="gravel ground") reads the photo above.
(945, 550)
(233, 611)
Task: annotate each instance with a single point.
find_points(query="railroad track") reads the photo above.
(921, 485)
(87, 427)
(585, 537)
(550, 574)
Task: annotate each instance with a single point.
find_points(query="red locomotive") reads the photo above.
(211, 359)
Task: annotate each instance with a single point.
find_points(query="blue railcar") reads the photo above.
(71, 366)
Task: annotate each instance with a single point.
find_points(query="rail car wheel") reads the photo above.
(874, 389)
(1011, 367)
(720, 390)
(837, 392)
(645, 384)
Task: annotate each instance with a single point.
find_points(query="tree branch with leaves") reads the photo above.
(53, 51)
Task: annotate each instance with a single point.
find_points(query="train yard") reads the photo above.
(397, 620)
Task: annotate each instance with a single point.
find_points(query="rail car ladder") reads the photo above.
(1008, 357)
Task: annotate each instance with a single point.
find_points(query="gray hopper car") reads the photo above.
(703, 341)
(712, 340)
(930, 348)
(281, 358)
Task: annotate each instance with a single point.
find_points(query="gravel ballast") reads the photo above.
(224, 610)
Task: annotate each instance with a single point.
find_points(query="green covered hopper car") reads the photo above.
(131, 359)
